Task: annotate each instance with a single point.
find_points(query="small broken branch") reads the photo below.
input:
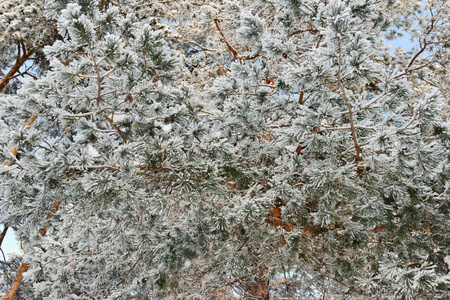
(300, 98)
(222, 70)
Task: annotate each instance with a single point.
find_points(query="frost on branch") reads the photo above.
(245, 148)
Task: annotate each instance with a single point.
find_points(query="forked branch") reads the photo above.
(20, 61)
(236, 55)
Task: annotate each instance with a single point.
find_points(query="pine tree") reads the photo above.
(364, 151)
(261, 149)
(24, 31)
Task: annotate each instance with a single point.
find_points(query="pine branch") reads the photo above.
(349, 107)
(24, 266)
(424, 46)
(20, 61)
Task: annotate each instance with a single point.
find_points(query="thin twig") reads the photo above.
(349, 106)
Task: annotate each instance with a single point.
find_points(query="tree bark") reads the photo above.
(2, 235)
(21, 59)
(16, 284)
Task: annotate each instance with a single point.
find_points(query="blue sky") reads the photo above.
(9, 243)
(403, 42)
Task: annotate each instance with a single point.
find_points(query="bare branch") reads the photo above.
(2, 235)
